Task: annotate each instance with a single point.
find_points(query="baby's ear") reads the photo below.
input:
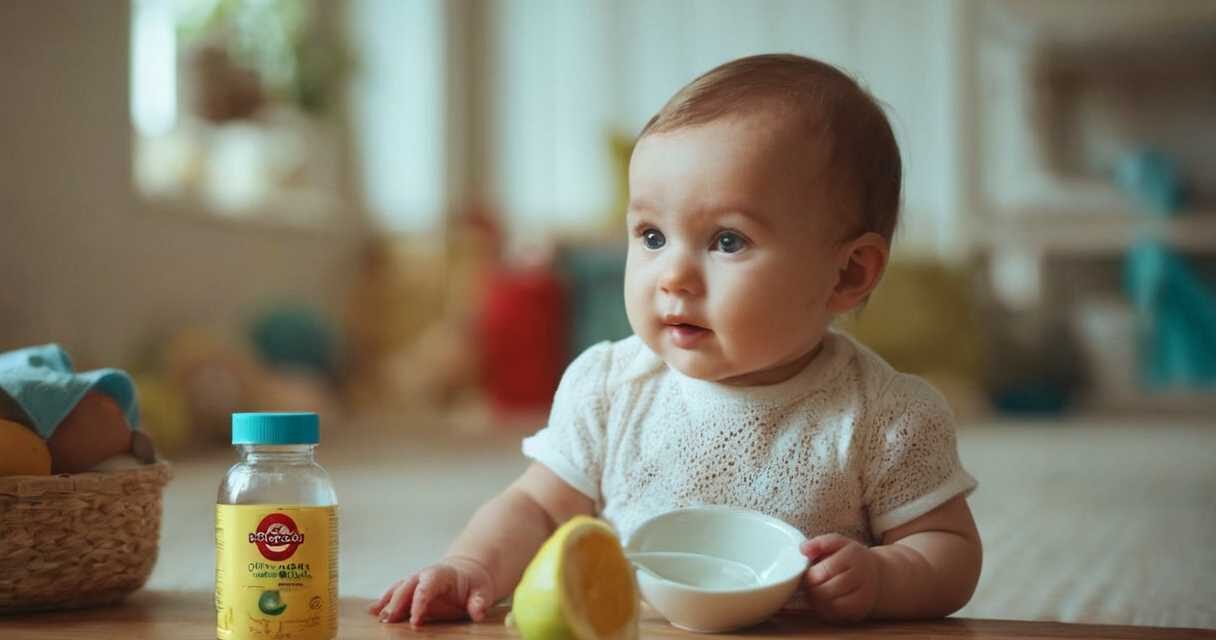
(862, 263)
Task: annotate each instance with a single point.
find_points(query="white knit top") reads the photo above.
(848, 445)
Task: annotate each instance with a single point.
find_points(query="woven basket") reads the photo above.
(78, 540)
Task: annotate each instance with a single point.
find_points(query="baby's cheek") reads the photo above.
(637, 306)
(760, 323)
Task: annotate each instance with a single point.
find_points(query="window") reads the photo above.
(233, 107)
(398, 109)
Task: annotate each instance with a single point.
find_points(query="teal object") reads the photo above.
(39, 388)
(595, 283)
(296, 337)
(1177, 337)
(1032, 397)
(1152, 178)
(276, 428)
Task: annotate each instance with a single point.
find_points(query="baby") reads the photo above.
(763, 200)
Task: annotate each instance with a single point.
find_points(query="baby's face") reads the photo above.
(734, 252)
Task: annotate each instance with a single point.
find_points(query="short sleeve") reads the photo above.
(572, 444)
(912, 462)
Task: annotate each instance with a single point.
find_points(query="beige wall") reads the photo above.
(85, 262)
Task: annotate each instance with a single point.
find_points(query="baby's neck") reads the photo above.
(776, 374)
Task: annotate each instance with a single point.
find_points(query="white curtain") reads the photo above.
(559, 77)
(565, 74)
(399, 105)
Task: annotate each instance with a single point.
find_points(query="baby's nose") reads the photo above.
(682, 276)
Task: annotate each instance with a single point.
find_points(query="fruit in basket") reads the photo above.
(578, 586)
(22, 452)
(95, 430)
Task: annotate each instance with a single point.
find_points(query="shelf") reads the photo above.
(1097, 233)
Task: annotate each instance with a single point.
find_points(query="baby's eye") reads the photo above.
(653, 239)
(729, 242)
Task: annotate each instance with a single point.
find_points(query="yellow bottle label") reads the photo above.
(276, 572)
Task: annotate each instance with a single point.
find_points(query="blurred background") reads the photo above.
(407, 215)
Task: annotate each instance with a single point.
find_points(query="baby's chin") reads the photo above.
(695, 365)
(709, 368)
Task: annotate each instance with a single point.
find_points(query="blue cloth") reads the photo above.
(38, 388)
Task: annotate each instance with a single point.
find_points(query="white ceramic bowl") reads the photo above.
(765, 544)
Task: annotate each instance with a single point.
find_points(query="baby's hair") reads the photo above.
(862, 147)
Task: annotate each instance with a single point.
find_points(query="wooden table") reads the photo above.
(156, 615)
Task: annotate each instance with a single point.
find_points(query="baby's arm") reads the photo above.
(927, 568)
(487, 559)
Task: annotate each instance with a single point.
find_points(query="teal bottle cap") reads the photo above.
(275, 428)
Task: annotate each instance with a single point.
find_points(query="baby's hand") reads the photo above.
(447, 590)
(842, 583)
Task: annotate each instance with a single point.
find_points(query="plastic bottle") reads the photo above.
(276, 534)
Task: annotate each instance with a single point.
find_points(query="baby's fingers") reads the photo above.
(824, 545)
(828, 568)
(435, 599)
(399, 605)
(839, 586)
(840, 601)
(479, 602)
(376, 606)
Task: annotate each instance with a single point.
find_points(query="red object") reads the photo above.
(522, 330)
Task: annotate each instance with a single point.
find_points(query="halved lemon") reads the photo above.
(579, 586)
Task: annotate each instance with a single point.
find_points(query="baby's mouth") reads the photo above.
(686, 335)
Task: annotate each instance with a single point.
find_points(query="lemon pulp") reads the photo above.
(579, 586)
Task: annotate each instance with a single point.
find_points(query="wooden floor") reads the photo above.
(1099, 523)
(155, 615)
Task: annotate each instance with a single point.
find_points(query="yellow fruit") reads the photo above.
(22, 452)
(578, 587)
